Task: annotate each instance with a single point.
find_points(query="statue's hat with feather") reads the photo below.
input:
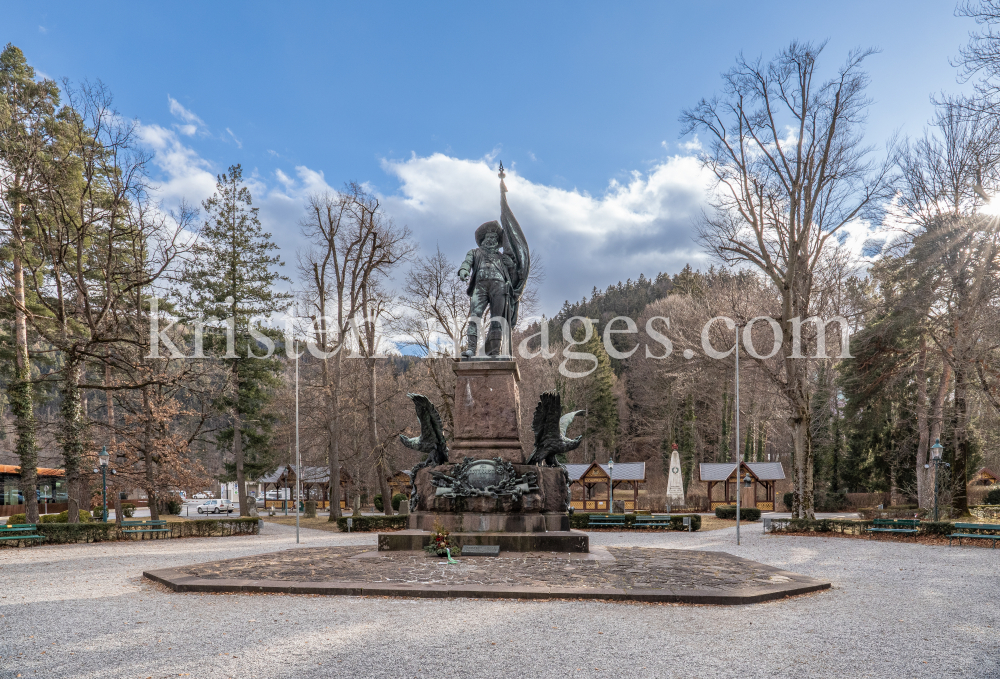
(489, 227)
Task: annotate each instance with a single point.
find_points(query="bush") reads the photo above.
(787, 499)
(832, 502)
(172, 504)
(746, 513)
(581, 521)
(992, 497)
(397, 499)
(66, 533)
(378, 503)
(128, 510)
(938, 528)
(63, 517)
(365, 524)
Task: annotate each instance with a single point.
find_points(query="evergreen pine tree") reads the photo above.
(232, 285)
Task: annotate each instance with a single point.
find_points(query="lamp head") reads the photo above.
(936, 450)
(103, 456)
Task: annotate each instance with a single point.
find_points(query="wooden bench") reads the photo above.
(652, 521)
(606, 521)
(905, 526)
(975, 526)
(20, 531)
(137, 527)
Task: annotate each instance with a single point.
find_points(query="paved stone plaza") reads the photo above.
(895, 610)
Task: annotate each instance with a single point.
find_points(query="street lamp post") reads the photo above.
(102, 458)
(611, 485)
(936, 450)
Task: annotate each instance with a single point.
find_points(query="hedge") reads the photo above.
(396, 499)
(69, 533)
(366, 524)
(845, 526)
(729, 512)
(581, 520)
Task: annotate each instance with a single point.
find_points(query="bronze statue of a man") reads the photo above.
(496, 278)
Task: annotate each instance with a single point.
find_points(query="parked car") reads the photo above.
(200, 496)
(216, 507)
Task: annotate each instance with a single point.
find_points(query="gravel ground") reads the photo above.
(896, 610)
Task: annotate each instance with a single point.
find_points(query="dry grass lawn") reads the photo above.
(319, 523)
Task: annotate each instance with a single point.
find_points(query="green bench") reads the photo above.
(905, 526)
(138, 527)
(652, 521)
(975, 526)
(20, 531)
(606, 521)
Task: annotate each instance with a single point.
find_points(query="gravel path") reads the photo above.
(896, 610)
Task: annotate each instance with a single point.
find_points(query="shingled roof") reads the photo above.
(720, 471)
(623, 471)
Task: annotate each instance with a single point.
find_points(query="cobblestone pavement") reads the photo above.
(631, 568)
(896, 610)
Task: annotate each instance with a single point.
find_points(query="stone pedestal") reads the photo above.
(488, 425)
(487, 411)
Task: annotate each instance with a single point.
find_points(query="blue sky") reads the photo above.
(580, 99)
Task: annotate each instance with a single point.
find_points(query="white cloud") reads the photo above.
(43, 30)
(239, 144)
(642, 225)
(692, 145)
(192, 122)
(183, 174)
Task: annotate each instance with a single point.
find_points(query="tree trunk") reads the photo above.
(381, 467)
(335, 438)
(152, 497)
(72, 432)
(893, 490)
(238, 454)
(19, 391)
(802, 453)
(923, 430)
(959, 467)
(112, 441)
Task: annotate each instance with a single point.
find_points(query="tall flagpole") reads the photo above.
(298, 461)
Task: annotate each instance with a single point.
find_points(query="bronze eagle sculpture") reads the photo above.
(431, 440)
(550, 431)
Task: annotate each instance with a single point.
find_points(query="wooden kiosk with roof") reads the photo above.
(315, 485)
(585, 478)
(759, 494)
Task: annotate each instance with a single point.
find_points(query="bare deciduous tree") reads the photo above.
(791, 171)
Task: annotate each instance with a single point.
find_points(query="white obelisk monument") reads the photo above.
(675, 481)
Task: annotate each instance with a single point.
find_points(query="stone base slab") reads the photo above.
(551, 541)
(614, 575)
(476, 522)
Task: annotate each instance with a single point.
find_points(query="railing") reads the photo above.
(591, 505)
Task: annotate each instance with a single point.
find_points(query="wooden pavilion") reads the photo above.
(588, 482)
(760, 492)
(984, 477)
(315, 485)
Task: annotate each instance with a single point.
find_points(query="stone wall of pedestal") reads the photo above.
(487, 411)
